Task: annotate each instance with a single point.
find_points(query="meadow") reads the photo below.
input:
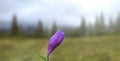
(97, 48)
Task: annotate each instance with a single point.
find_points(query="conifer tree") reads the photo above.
(54, 28)
(111, 25)
(15, 30)
(118, 23)
(83, 26)
(39, 31)
(99, 25)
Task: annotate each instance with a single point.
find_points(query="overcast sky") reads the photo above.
(66, 12)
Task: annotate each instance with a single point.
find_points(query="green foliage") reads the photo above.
(39, 31)
(82, 27)
(111, 25)
(54, 28)
(99, 25)
(43, 58)
(15, 29)
(117, 26)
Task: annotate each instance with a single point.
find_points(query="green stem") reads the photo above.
(43, 58)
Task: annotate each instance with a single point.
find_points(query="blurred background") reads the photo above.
(92, 29)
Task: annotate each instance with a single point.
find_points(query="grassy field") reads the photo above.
(103, 48)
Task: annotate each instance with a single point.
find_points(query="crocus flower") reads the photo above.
(55, 41)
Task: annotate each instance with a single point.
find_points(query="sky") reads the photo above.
(65, 12)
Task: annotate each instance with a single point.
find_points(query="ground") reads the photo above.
(102, 48)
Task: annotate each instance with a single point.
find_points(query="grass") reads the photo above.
(102, 48)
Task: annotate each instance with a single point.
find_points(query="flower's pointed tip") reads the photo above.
(59, 30)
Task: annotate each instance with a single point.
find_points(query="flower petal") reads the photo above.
(55, 41)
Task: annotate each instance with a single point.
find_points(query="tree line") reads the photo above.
(97, 29)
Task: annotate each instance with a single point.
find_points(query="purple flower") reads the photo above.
(55, 41)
